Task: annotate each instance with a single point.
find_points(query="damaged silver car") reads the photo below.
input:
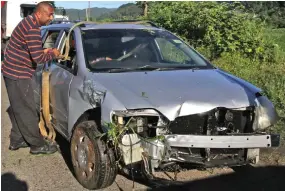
(135, 95)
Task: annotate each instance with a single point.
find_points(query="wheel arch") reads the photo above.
(90, 114)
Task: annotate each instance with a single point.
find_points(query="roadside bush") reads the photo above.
(218, 27)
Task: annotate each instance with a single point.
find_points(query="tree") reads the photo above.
(273, 12)
(144, 6)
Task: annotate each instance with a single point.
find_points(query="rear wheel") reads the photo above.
(93, 162)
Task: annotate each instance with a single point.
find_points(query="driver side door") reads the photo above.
(62, 74)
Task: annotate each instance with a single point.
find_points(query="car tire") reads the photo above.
(93, 162)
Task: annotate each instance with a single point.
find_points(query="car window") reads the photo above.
(132, 48)
(170, 53)
(69, 64)
(51, 39)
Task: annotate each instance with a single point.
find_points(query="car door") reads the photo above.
(47, 42)
(60, 80)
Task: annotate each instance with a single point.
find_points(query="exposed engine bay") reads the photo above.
(219, 137)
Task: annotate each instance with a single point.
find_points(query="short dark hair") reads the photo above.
(43, 4)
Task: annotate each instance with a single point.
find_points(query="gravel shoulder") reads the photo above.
(22, 171)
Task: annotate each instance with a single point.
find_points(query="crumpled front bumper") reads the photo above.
(174, 149)
(237, 141)
(203, 150)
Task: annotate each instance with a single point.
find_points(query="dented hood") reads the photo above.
(179, 92)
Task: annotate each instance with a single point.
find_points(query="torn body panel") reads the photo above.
(86, 94)
(83, 97)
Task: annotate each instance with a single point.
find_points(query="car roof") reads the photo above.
(65, 25)
(104, 26)
(118, 26)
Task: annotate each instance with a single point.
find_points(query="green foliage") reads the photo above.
(115, 133)
(219, 27)
(276, 36)
(273, 12)
(89, 19)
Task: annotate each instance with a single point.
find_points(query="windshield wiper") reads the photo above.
(147, 68)
(181, 67)
(155, 68)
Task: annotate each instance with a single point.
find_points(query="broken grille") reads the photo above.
(220, 121)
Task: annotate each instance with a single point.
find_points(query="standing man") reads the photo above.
(21, 57)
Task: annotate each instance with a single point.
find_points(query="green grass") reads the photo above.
(277, 36)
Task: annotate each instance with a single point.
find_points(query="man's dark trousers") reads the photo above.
(23, 113)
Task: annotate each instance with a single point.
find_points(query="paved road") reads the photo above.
(22, 171)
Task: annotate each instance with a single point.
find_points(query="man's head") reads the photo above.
(44, 13)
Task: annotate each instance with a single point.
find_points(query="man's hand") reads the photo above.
(56, 52)
(47, 50)
(50, 50)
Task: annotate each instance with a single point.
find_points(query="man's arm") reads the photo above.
(34, 42)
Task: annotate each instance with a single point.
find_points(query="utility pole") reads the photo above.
(89, 11)
(87, 14)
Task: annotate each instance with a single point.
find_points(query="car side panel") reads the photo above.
(60, 80)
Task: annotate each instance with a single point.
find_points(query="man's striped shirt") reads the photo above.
(24, 50)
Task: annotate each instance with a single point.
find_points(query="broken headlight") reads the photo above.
(265, 113)
(146, 122)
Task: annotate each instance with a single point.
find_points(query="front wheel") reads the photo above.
(93, 162)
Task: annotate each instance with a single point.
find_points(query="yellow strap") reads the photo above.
(67, 44)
